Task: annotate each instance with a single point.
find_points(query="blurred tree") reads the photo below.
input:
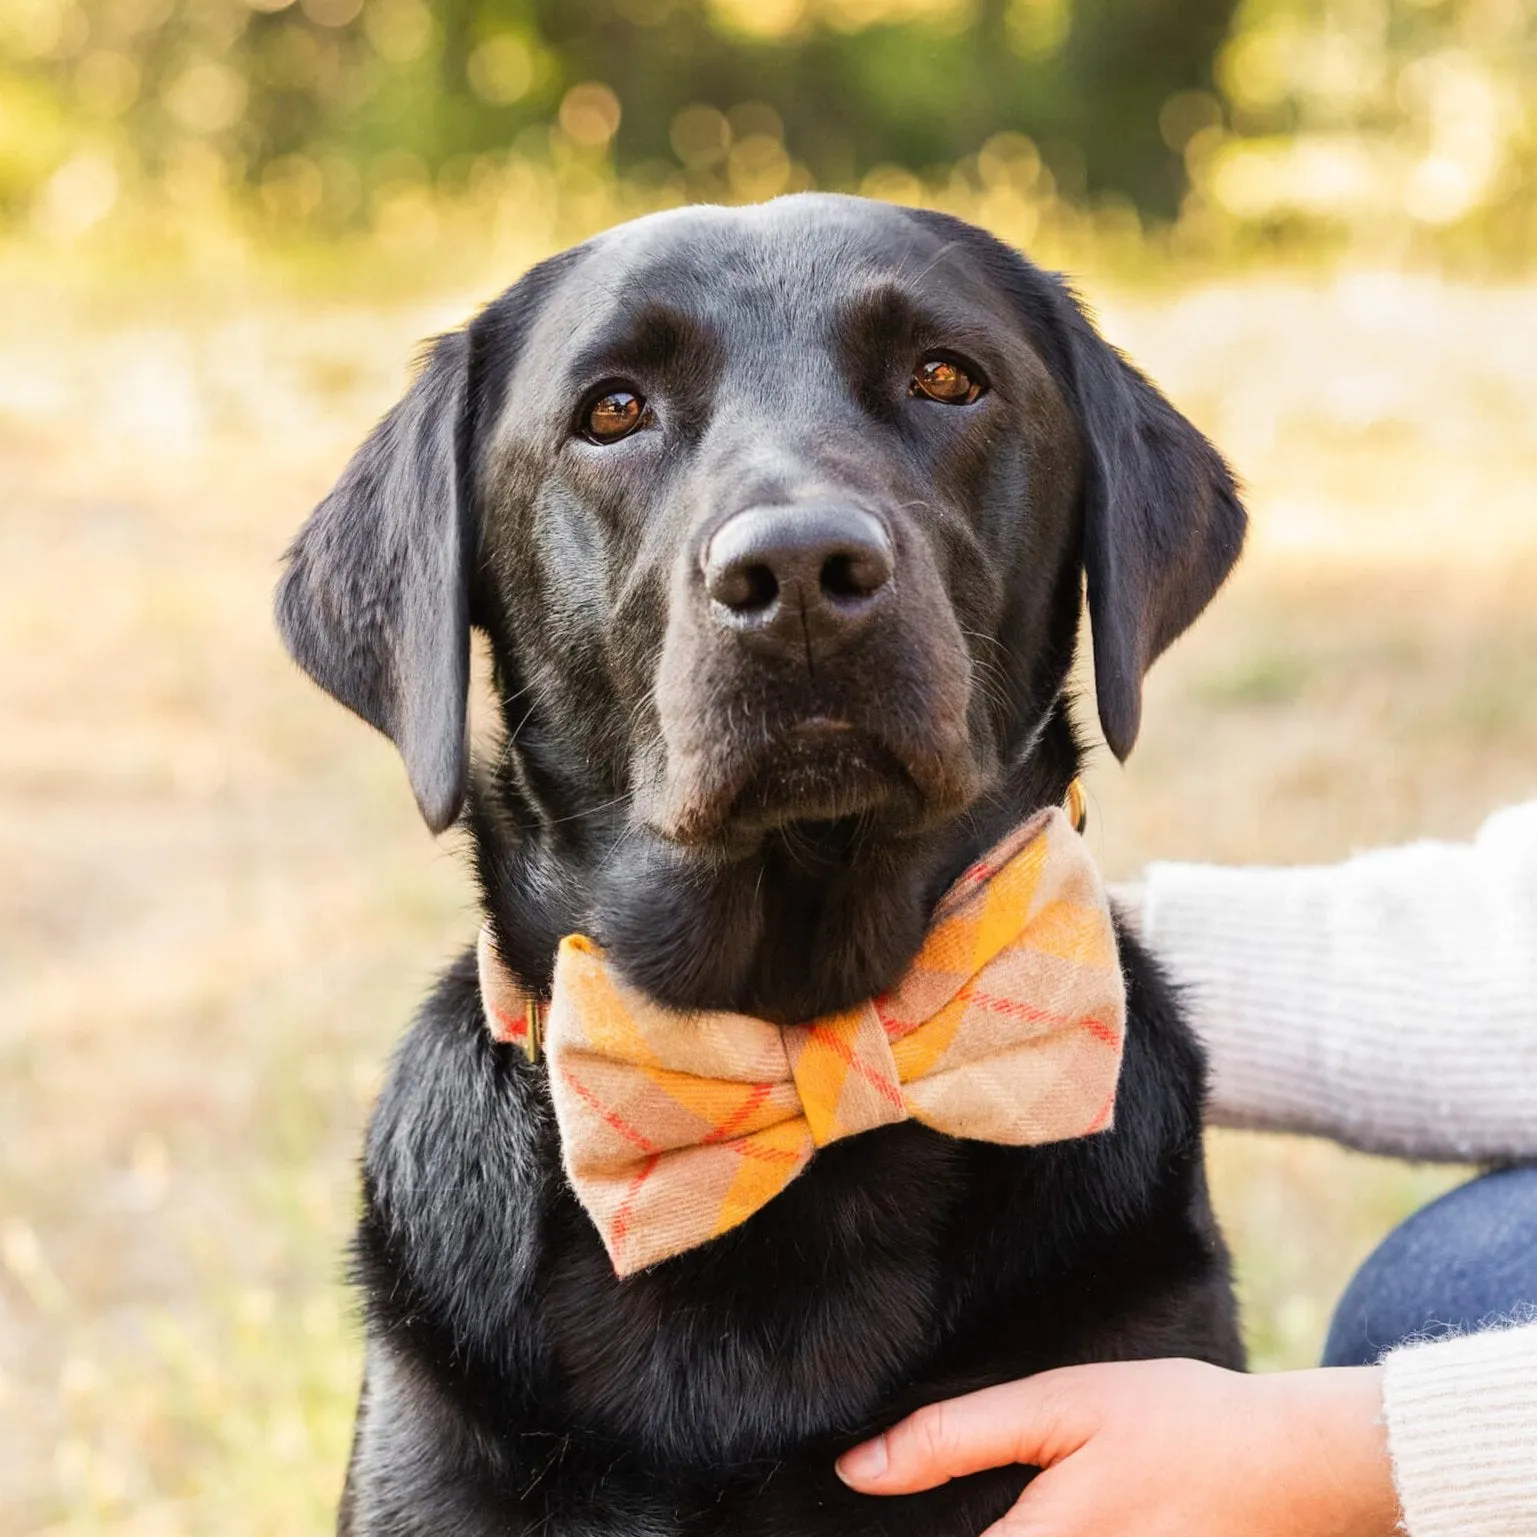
(1392, 123)
(1373, 120)
(918, 85)
(315, 101)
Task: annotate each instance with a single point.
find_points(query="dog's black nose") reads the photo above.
(800, 579)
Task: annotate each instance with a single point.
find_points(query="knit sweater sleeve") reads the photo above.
(1389, 1002)
(1461, 1418)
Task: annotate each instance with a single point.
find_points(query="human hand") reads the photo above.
(1159, 1448)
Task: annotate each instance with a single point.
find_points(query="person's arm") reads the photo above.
(1389, 1002)
(1439, 1441)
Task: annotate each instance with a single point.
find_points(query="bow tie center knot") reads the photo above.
(845, 1074)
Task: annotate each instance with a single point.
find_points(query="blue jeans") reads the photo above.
(1466, 1259)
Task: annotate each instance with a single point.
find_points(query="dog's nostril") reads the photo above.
(800, 579)
(745, 588)
(855, 575)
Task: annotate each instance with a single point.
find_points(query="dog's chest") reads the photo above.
(795, 1326)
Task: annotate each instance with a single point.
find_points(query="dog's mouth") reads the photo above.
(817, 770)
(877, 736)
(822, 769)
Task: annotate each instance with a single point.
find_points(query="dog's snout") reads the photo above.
(800, 579)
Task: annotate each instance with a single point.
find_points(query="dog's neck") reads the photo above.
(818, 918)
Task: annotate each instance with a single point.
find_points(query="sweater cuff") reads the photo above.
(1462, 1432)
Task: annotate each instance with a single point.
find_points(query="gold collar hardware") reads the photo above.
(514, 1013)
(533, 1019)
(1077, 806)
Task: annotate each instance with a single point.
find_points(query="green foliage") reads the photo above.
(313, 105)
(1396, 122)
(1395, 129)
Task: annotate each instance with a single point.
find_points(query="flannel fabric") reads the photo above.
(676, 1127)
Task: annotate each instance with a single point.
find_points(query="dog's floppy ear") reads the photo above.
(1162, 521)
(1162, 526)
(374, 604)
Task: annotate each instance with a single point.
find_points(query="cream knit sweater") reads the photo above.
(1390, 1003)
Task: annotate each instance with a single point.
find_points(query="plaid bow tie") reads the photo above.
(677, 1127)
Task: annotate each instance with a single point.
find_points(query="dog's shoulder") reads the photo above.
(457, 1105)
(459, 1171)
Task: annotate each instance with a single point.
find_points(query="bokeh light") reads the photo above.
(1387, 126)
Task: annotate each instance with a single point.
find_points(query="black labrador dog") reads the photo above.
(778, 520)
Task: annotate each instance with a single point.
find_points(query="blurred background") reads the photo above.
(225, 224)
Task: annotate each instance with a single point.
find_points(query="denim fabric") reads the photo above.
(1465, 1260)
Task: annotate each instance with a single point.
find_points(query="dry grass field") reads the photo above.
(218, 906)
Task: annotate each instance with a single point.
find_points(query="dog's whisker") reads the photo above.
(622, 798)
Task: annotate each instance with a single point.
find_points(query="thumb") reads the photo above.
(1038, 1421)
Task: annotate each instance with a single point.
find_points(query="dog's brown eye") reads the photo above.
(614, 415)
(946, 381)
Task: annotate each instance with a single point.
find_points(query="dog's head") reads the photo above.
(778, 520)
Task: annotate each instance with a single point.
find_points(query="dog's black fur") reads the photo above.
(678, 795)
